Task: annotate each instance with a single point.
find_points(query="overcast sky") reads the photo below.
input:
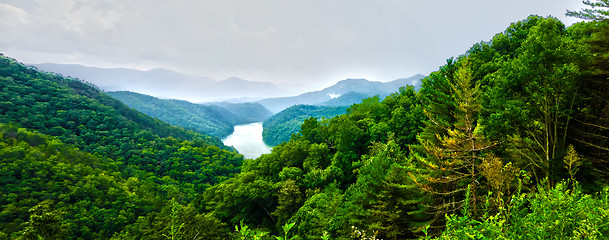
(288, 42)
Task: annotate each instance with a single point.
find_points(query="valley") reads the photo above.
(282, 117)
(508, 139)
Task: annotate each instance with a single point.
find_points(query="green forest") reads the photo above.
(509, 140)
(217, 119)
(280, 127)
(196, 117)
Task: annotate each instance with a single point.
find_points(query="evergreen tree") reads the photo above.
(591, 120)
(451, 151)
(599, 10)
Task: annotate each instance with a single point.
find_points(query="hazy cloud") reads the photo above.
(287, 42)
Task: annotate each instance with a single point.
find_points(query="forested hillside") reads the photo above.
(280, 127)
(199, 118)
(507, 141)
(241, 113)
(91, 152)
(215, 119)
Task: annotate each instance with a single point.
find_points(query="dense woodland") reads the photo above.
(280, 127)
(88, 163)
(196, 117)
(508, 141)
(217, 119)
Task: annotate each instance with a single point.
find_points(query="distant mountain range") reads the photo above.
(165, 83)
(345, 92)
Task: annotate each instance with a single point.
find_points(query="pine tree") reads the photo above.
(592, 120)
(599, 10)
(384, 200)
(451, 148)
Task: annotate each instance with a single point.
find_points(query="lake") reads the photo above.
(247, 139)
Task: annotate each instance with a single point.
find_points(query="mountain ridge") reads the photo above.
(165, 83)
(362, 86)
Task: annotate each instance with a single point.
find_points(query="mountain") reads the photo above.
(242, 113)
(362, 87)
(79, 164)
(165, 83)
(233, 88)
(197, 117)
(346, 99)
(216, 119)
(280, 127)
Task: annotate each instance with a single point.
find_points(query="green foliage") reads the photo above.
(79, 114)
(175, 227)
(322, 179)
(177, 221)
(246, 233)
(286, 229)
(452, 146)
(44, 222)
(599, 10)
(197, 117)
(103, 165)
(64, 192)
(281, 126)
(556, 213)
(384, 200)
(591, 119)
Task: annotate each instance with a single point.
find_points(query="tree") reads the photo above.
(453, 145)
(45, 222)
(531, 99)
(599, 10)
(592, 118)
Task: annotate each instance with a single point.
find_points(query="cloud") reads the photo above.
(291, 43)
(12, 19)
(11, 15)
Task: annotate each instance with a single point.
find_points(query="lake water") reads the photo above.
(247, 139)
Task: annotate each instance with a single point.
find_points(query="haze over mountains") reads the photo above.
(165, 83)
(345, 92)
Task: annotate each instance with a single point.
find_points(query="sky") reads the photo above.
(296, 44)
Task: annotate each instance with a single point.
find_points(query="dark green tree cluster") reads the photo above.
(281, 126)
(197, 117)
(56, 191)
(78, 164)
(83, 116)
